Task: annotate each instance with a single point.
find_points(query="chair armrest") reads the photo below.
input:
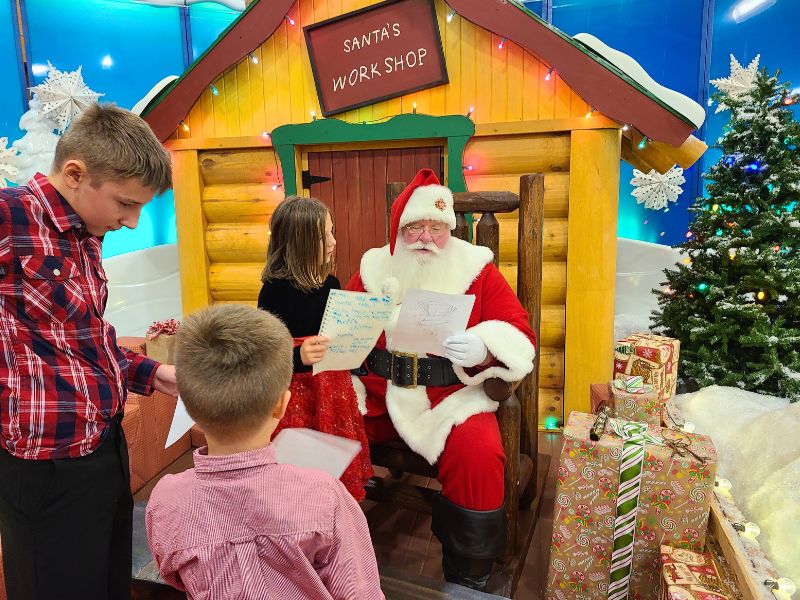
(498, 389)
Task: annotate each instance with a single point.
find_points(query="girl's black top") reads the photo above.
(300, 311)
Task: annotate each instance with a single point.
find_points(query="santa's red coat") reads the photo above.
(424, 416)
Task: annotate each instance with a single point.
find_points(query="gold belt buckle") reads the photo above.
(414, 369)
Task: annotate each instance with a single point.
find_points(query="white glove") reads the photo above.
(465, 349)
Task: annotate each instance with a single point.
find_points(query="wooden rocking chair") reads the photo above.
(517, 412)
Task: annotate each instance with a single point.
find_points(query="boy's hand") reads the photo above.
(313, 349)
(165, 380)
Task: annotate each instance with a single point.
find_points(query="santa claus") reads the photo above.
(437, 404)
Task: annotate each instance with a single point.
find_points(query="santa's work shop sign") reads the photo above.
(375, 53)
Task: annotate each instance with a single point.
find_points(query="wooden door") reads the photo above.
(353, 185)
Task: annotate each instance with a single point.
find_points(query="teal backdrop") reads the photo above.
(126, 46)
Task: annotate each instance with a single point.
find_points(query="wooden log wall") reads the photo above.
(497, 163)
(238, 199)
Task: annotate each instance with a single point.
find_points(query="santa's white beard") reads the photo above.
(421, 270)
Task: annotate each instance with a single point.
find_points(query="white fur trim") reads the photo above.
(391, 287)
(468, 262)
(424, 429)
(361, 394)
(508, 345)
(433, 202)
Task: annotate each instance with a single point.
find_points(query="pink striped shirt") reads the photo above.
(243, 526)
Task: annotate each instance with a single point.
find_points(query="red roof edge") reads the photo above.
(599, 86)
(254, 26)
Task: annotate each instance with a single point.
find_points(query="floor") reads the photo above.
(402, 538)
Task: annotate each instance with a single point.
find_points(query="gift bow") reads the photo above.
(634, 432)
(633, 384)
(682, 447)
(168, 327)
(637, 433)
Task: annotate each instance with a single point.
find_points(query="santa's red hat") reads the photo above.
(423, 198)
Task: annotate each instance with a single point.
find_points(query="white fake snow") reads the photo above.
(758, 444)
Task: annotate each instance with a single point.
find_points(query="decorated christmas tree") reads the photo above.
(734, 302)
(56, 102)
(37, 147)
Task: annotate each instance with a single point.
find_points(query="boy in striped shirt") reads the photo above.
(239, 525)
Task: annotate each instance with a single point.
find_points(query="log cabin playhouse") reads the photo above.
(254, 119)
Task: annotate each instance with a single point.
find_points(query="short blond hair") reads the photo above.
(115, 144)
(233, 363)
(292, 254)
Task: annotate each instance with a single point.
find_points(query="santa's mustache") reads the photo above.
(419, 245)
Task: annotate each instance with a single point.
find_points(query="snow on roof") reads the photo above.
(675, 100)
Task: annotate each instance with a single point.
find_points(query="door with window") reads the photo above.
(352, 184)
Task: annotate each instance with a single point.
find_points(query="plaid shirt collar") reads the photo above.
(55, 205)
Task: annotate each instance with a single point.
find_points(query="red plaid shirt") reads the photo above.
(62, 375)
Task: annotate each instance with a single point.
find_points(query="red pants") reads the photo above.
(471, 464)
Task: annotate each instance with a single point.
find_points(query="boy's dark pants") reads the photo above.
(66, 524)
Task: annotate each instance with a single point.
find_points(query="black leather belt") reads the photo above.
(406, 370)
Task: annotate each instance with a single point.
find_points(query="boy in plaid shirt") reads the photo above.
(65, 500)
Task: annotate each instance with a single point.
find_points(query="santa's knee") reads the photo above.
(472, 460)
(471, 474)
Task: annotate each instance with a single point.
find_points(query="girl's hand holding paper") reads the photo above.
(313, 349)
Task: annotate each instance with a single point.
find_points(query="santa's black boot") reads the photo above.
(471, 540)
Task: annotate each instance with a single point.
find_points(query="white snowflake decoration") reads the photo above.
(64, 95)
(739, 83)
(8, 172)
(655, 190)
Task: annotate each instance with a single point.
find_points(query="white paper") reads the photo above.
(315, 450)
(353, 321)
(427, 318)
(181, 423)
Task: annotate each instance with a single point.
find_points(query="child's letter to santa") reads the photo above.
(353, 321)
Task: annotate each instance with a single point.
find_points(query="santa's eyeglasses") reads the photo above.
(416, 229)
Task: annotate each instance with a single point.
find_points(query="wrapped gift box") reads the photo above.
(635, 400)
(676, 487)
(687, 575)
(653, 357)
(160, 344)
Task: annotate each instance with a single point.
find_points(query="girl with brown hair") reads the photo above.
(296, 281)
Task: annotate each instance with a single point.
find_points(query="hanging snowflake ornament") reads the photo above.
(739, 83)
(655, 190)
(64, 95)
(8, 172)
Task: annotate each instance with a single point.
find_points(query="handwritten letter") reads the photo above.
(181, 423)
(427, 318)
(353, 321)
(315, 450)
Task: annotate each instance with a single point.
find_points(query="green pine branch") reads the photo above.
(734, 302)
